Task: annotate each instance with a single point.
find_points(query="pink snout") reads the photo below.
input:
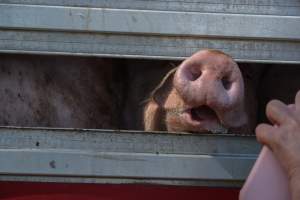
(211, 85)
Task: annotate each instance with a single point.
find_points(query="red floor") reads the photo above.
(58, 191)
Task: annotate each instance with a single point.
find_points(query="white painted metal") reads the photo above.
(140, 46)
(252, 31)
(123, 165)
(149, 22)
(264, 7)
(125, 157)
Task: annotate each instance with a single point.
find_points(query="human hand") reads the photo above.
(283, 138)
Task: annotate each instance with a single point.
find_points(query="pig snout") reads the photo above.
(211, 85)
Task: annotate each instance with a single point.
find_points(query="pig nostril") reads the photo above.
(226, 83)
(194, 74)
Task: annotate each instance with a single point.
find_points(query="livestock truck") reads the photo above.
(43, 162)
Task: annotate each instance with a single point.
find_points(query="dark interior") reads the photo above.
(104, 93)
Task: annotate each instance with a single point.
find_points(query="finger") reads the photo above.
(294, 112)
(277, 112)
(292, 108)
(297, 101)
(265, 134)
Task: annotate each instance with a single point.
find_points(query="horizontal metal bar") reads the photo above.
(136, 46)
(149, 22)
(265, 7)
(123, 165)
(146, 57)
(102, 180)
(70, 155)
(127, 141)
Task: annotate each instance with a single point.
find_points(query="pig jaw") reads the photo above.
(181, 117)
(190, 122)
(205, 121)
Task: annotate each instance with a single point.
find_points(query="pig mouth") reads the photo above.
(202, 113)
(202, 118)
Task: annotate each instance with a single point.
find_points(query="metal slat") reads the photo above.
(134, 46)
(159, 34)
(149, 22)
(125, 157)
(126, 141)
(124, 165)
(264, 7)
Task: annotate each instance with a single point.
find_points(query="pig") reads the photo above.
(142, 76)
(206, 93)
(60, 91)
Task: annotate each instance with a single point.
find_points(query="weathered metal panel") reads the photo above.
(140, 46)
(265, 7)
(123, 165)
(140, 29)
(149, 22)
(125, 157)
(127, 141)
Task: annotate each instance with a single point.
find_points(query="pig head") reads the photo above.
(205, 93)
